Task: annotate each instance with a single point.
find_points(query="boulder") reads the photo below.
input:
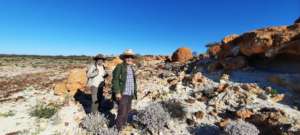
(229, 38)
(272, 38)
(182, 55)
(60, 88)
(258, 47)
(76, 80)
(244, 113)
(214, 49)
(111, 64)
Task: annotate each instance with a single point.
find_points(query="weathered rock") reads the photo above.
(214, 49)
(262, 40)
(214, 66)
(198, 79)
(222, 87)
(223, 123)
(277, 98)
(60, 88)
(76, 81)
(229, 38)
(224, 78)
(199, 115)
(270, 121)
(190, 100)
(182, 55)
(111, 64)
(233, 63)
(244, 113)
(252, 88)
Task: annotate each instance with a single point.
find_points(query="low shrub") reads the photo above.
(44, 111)
(96, 123)
(154, 118)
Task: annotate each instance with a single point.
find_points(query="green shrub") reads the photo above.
(44, 111)
(7, 114)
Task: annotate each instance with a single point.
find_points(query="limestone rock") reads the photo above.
(244, 113)
(214, 49)
(76, 80)
(60, 88)
(229, 38)
(198, 79)
(233, 63)
(182, 55)
(199, 115)
(111, 64)
(277, 98)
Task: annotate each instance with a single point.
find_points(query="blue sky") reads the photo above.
(76, 27)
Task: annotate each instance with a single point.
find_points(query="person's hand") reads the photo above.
(118, 96)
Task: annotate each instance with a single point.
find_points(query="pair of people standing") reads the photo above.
(124, 86)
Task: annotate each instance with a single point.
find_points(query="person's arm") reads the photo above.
(92, 71)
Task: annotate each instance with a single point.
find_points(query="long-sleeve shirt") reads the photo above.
(129, 85)
(95, 75)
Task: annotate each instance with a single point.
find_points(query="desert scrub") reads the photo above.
(44, 111)
(240, 127)
(153, 118)
(95, 123)
(7, 114)
(175, 108)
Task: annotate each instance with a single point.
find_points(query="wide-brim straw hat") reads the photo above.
(126, 53)
(99, 57)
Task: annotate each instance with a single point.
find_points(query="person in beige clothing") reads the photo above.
(96, 74)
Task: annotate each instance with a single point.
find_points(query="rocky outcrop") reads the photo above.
(229, 38)
(182, 55)
(298, 20)
(76, 80)
(111, 64)
(234, 51)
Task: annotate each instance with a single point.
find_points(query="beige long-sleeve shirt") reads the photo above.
(95, 75)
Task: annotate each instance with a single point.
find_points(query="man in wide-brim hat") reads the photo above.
(124, 86)
(95, 80)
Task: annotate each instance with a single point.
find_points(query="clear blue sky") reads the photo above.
(54, 27)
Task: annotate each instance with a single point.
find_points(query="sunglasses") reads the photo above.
(128, 57)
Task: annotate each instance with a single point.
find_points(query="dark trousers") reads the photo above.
(123, 110)
(97, 95)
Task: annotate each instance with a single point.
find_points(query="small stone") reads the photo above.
(199, 115)
(190, 122)
(222, 87)
(190, 100)
(224, 78)
(223, 123)
(244, 113)
(203, 99)
(277, 98)
(197, 79)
